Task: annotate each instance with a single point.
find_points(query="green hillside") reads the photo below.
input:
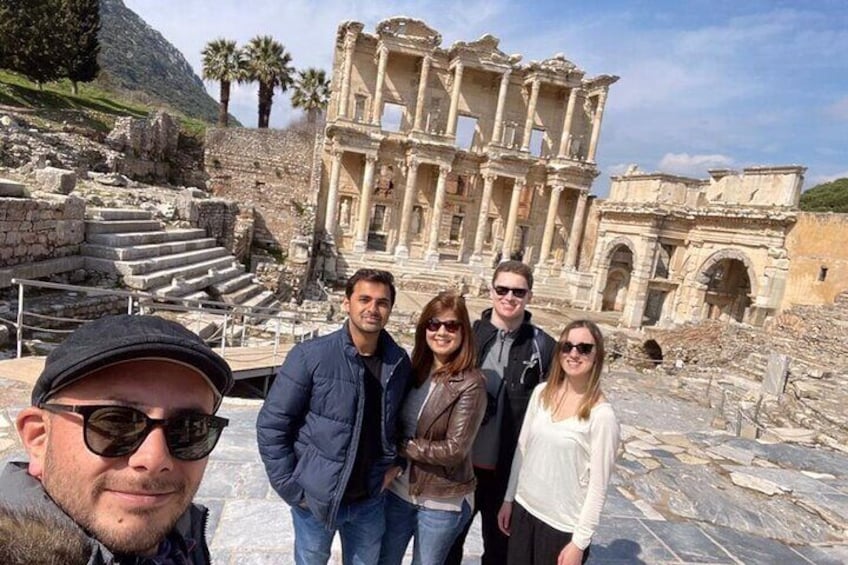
(827, 197)
(54, 105)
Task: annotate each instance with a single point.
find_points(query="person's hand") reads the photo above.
(505, 517)
(392, 473)
(570, 555)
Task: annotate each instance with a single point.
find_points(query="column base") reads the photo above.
(402, 252)
(475, 260)
(359, 247)
(431, 258)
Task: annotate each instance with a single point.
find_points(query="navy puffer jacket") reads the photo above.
(309, 426)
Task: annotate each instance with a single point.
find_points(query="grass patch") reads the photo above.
(93, 107)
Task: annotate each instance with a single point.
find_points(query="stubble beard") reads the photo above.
(109, 529)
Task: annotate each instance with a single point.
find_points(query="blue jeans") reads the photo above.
(434, 531)
(360, 526)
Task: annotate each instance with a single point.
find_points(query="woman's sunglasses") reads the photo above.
(117, 431)
(582, 348)
(452, 326)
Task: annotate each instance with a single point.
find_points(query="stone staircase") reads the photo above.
(173, 263)
(417, 274)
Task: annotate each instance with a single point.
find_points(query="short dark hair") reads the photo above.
(374, 276)
(516, 267)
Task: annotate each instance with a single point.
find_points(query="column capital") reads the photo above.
(350, 39)
(381, 51)
(520, 182)
(370, 158)
(444, 169)
(336, 152)
(489, 177)
(557, 189)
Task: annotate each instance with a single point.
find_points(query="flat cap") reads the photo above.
(114, 339)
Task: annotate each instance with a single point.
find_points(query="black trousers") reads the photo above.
(487, 500)
(532, 542)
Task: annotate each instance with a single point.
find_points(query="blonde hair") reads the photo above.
(557, 376)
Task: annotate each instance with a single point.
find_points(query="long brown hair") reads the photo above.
(556, 375)
(463, 359)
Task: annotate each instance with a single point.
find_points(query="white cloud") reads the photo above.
(839, 109)
(693, 165)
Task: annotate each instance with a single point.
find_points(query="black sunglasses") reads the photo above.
(116, 431)
(452, 326)
(516, 292)
(582, 348)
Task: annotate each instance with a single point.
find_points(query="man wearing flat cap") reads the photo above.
(118, 436)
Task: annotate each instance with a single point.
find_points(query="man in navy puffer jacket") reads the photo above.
(327, 432)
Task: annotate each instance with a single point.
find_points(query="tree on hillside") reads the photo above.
(311, 93)
(225, 62)
(826, 197)
(28, 39)
(81, 26)
(269, 64)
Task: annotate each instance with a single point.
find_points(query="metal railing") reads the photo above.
(255, 318)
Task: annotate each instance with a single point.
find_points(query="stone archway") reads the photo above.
(619, 271)
(728, 278)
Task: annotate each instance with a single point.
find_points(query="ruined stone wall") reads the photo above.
(269, 170)
(218, 217)
(817, 243)
(34, 230)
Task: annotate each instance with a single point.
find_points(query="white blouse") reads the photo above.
(561, 470)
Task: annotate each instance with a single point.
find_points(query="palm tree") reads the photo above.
(224, 62)
(311, 93)
(269, 64)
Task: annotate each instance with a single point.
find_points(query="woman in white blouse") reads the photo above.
(566, 454)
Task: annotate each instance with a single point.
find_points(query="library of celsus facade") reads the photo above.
(459, 155)
(438, 162)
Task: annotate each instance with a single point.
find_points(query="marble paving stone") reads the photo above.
(618, 505)
(225, 479)
(786, 479)
(258, 524)
(825, 555)
(752, 549)
(626, 540)
(800, 457)
(689, 542)
(830, 503)
(731, 453)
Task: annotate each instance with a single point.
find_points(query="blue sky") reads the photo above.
(704, 83)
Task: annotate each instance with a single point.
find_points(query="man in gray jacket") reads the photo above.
(121, 424)
(328, 431)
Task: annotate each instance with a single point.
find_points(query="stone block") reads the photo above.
(57, 180)
(777, 370)
(11, 189)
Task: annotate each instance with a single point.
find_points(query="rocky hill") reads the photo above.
(138, 61)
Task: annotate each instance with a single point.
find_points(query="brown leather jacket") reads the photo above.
(440, 453)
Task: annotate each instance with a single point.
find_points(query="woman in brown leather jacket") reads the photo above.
(432, 499)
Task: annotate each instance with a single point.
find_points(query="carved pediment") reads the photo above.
(349, 27)
(485, 50)
(409, 29)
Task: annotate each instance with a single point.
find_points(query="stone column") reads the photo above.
(364, 216)
(377, 109)
(512, 218)
(596, 126)
(432, 255)
(422, 92)
(565, 139)
(482, 220)
(576, 235)
(402, 249)
(531, 114)
(454, 105)
(330, 216)
(344, 94)
(550, 222)
(496, 131)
